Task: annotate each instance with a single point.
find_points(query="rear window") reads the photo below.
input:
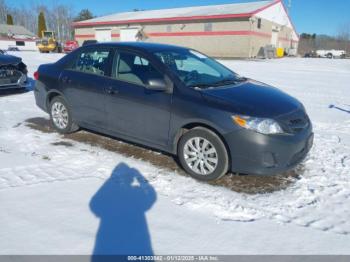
(92, 61)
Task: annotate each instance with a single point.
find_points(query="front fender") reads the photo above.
(179, 129)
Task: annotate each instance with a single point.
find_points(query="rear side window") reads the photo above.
(92, 61)
(135, 69)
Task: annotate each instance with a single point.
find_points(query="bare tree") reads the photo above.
(3, 11)
(62, 22)
(59, 17)
(344, 37)
(344, 32)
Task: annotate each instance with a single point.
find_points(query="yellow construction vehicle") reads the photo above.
(48, 43)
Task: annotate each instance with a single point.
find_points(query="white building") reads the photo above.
(229, 30)
(17, 36)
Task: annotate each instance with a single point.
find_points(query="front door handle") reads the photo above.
(110, 90)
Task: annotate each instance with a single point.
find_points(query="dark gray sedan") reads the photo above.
(179, 101)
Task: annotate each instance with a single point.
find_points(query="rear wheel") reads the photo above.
(203, 155)
(60, 116)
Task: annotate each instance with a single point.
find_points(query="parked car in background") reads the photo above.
(13, 48)
(331, 53)
(179, 101)
(311, 54)
(70, 45)
(13, 72)
(89, 42)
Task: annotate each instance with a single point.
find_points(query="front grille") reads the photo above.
(9, 76)
(295, 122)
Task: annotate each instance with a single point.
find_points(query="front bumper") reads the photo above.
(16, 82)
(258, 154)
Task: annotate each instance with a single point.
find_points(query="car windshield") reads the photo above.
(197, 70)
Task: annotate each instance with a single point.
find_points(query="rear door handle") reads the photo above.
(110, 90)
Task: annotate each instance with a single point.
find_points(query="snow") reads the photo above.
(59, 199)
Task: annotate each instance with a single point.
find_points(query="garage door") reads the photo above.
(103, 35)
(129, 35)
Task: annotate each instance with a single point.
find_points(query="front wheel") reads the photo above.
(203, 155)
(60, 116)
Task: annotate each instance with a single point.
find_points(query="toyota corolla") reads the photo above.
(179, 101)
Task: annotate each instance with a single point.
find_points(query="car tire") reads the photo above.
(202, 154)
(61, 117)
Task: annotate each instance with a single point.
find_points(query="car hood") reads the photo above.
(9, 60)
(252, 98)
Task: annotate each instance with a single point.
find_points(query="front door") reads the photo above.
(133, 110)
(274, 38)
(84, 83)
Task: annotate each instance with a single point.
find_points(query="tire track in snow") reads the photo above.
(318, 199)
(38, 174)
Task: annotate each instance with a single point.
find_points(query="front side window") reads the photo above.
(197, 70)
(134, 69)
(92, 61)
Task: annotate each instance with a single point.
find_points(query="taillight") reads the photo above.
(36, 75)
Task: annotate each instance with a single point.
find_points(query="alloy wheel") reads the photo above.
(59, 115)
(200, 156)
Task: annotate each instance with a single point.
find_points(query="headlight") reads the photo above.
(261, 125)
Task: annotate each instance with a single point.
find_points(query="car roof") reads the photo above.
(142, 46)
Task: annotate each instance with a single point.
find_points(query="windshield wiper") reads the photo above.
(229, 81)
(222, 82)
(201, 85)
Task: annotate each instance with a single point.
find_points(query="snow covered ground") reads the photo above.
(63, 196)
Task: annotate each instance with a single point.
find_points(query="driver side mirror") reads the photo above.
(159, 85)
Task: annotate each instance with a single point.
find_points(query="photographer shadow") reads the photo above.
(121, 204)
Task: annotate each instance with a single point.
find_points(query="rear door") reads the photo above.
(132, 109)
(84, 83)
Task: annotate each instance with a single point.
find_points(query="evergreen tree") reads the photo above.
(9, 19)
(41, 24)
(84, 14)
